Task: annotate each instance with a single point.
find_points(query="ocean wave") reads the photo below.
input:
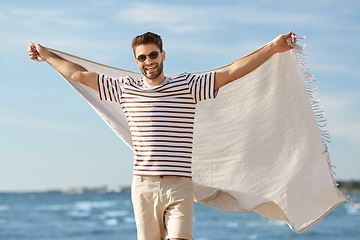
(352, 210)
(88, 205)
(81, 205)
(112, 214)
(232, 224)
(4, 208)
(111, 222)
(266, 222)
(254, 236)
(129, 219)
(54, 207)
(79, 213)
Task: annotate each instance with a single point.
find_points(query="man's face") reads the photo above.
(151, 68)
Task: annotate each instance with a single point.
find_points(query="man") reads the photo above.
(160, 112)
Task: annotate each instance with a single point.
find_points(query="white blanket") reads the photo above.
(259, 146)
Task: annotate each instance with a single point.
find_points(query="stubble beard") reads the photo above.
(153, 75)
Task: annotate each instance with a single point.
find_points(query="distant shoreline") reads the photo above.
(349, 186)
(79, 190)
(344, 186)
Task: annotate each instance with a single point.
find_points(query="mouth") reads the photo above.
(150, 68)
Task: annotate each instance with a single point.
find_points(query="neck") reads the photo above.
(156, 81)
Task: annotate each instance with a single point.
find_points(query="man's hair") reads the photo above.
(147, 38)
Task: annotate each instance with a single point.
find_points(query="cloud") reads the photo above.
(3, 17)
(343, 113)
(335, 68)
(176, 19)
(21, 121)
(77, 23)
(180, 18)
(185, 19)
(99, 50)
(140, 13)
(103, 3)
(47, 19)
(34, 13)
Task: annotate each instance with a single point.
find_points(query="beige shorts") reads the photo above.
(163, 206)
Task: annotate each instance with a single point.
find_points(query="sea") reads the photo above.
(90, 216)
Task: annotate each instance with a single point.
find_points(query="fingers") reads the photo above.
(33, 56)
(32, 47)
(286, 35)
(33, 51)
(291, 36)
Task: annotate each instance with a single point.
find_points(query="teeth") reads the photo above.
(151, 68)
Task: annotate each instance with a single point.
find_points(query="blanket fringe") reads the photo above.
(316, 105)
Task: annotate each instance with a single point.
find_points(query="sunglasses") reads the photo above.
(152, 55)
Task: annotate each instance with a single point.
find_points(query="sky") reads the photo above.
(50, 138)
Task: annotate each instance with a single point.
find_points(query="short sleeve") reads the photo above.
(110, 89)
(202, 87)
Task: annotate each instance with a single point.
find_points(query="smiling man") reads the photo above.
(150, 68)
(160, 111)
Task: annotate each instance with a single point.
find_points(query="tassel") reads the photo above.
(316, 105)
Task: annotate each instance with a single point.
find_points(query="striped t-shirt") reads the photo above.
(160, 118)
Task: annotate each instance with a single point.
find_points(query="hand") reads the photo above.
(36, 52)
(280, 43)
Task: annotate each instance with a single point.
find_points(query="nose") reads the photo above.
(148, 60)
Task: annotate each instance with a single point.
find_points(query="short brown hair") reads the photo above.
(147, 38)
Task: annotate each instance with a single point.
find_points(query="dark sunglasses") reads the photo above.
(152, 55)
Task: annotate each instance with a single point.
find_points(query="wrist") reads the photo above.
(272, 48)
(45, 55)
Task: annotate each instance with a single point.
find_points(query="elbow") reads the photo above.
(87, 78)
(222, 78)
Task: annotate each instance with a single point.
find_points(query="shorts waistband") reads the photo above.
(161, 176)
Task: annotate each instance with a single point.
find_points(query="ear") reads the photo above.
(163, 55)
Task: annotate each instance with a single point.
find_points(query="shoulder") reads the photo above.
(190, 77)
(199, 74)
(129, 81)
(104, 77)
(122, 81)
(183, 76)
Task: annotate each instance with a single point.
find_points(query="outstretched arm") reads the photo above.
(68, 69)
(252, 61)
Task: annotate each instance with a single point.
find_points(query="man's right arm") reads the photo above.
(68, 69)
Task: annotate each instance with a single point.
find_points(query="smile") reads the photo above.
(152, 68)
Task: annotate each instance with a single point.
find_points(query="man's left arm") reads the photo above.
(252, 61)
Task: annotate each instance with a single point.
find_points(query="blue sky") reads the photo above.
(51, 138)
